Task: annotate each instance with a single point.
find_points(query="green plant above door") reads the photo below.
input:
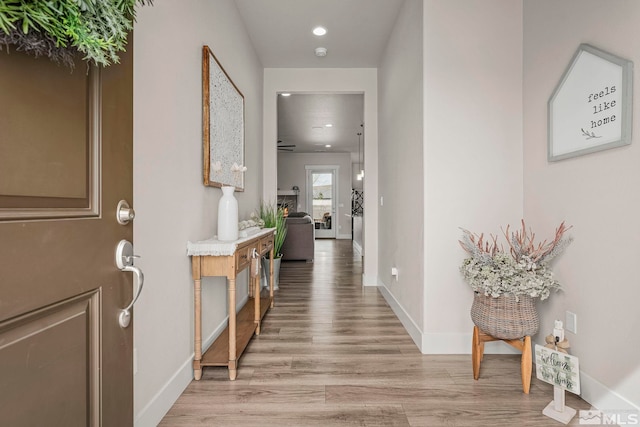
(63, 29)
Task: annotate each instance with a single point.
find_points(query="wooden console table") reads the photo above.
(228, 259)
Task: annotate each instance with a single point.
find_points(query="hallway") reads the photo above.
(332, 353)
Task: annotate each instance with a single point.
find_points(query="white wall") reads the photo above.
(595, 193)
(328, 80)
(472, 149)
(291, 171)
(400, 179)
(172, 206)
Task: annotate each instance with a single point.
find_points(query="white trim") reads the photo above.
(357, 248)
(159, 405)
(321, 167)
(602, 397)
(343, 236)
(411, 327)
(436, 343)
(370, 280)
(335, 173)
(163, 400)
(326, 80)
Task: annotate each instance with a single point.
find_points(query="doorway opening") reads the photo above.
(315, 130)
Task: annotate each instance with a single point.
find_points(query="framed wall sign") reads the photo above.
(222, 125)
(558, 369)
(590, 109)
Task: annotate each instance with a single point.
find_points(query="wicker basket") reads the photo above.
(504, 317)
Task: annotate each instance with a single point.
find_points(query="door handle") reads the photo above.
(124, 261)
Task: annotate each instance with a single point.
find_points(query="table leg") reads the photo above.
(476, 353)
(256, 317)
(232, 328)
(271, 276)
(197, 369)
(525, 364)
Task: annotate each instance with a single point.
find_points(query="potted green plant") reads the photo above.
(273, 217)
(507, 284)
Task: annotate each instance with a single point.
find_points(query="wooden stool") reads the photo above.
(522, 344)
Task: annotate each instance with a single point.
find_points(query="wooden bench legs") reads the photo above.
(523, 344)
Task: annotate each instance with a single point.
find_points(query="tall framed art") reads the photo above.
(222, 125)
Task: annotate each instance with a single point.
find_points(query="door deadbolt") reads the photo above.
(124, 213)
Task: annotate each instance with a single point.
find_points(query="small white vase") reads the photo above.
(228, 215)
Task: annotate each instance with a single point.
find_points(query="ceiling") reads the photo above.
(357, 31)
(303, 121)
(357, 34)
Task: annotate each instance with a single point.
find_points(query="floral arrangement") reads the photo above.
(217, 167)
(524, 270)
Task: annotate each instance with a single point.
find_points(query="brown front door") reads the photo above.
(65, 162)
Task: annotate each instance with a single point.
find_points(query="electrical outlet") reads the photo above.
(381, 201)
(571, 322)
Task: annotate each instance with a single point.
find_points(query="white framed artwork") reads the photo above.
(590, 109)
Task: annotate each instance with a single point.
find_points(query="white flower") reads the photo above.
(216, 166)
(238, 168)
(503, 275)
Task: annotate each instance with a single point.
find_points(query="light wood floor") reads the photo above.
(332, 353)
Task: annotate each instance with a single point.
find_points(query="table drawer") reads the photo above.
(243, 256)
(266, 244)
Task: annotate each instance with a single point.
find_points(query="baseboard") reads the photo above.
(592, 391)
(409, 325)
(357, 248)
(159, 405)
(343, 236)
(370, 280)
(602, 397)
(433, 343)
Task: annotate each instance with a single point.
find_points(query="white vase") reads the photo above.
(228, 215)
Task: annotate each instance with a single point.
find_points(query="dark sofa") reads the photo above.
(299, 242)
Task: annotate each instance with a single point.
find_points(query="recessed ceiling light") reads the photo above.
(328, 125)
(319, 31)
(328, 145)
(285, 94)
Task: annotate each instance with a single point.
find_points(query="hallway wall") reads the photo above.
(458, 142)
(172, 205)
(401, 177)
(472, 149)
(595, 193)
